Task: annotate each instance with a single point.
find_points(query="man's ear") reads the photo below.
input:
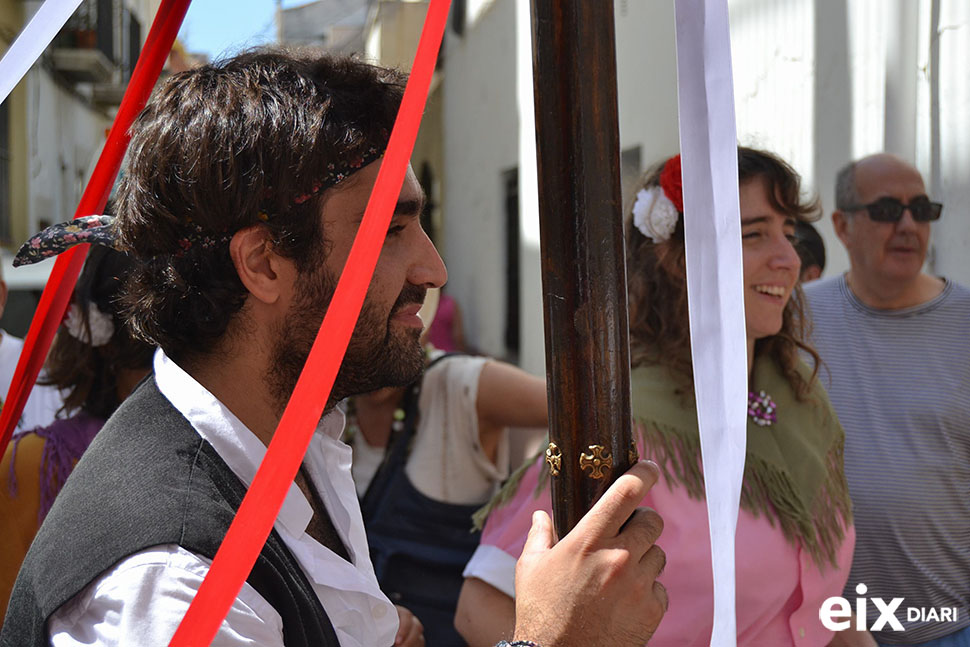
(840, 221)
(258, 266)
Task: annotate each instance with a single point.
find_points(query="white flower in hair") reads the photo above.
(102, 325)
(654, 214)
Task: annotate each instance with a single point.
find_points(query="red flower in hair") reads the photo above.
(670, 182)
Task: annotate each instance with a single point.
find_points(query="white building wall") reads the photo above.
(772, 52)
(65, 136)
(646, 79)
(950, 144)
(833, 103)
(63, 143)
(486, 89)
(532, 356)
(480, 143)
(819, 82)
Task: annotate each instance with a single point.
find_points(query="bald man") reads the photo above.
(896, 362)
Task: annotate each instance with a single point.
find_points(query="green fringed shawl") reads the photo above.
(793, 472)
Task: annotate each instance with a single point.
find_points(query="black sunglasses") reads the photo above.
(891, 210)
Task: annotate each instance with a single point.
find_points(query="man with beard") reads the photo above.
(244, 187)
(896, 363)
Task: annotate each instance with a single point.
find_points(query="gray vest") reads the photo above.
(149, 479)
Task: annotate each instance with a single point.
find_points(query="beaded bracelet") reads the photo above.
(517, 643)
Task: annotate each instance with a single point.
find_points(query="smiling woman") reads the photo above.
(771, 265)
(794, 533)
(771, 202)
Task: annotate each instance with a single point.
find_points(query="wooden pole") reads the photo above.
(583, 261)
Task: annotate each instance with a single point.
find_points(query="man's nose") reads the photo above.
(428, 269)
(906, 222)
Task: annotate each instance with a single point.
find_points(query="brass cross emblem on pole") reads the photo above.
(596, 462)
(554, 459)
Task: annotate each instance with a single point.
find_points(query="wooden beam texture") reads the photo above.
(583, 261)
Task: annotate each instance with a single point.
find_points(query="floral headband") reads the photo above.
(656, 210)
(336, 173)
(100, 230)
(59, 238)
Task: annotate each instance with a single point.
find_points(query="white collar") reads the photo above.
(360, 613)
(233, 441)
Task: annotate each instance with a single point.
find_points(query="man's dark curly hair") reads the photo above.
(218, 146)
(657, 281)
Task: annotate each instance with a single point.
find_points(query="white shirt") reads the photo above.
(43, 401)
(446, 461)
(141, 600)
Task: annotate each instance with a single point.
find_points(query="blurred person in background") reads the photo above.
(896, 362)
(96, 363)
(447, 331)
(811, 251)
(44, 401)
(425, 458)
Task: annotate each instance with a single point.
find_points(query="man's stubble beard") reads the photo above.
(376, 357)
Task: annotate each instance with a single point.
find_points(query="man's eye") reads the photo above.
(394, 230)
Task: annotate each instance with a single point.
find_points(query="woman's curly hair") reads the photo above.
(657, 281)
(216, 149)
(87, 374)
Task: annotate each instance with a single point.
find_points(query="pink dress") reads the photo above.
(440, 332)
(779, 586)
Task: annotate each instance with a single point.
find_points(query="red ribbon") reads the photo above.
(257, 513)
(60, 285)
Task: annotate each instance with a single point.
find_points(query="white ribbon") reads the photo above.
(32, 42)
(712, 228)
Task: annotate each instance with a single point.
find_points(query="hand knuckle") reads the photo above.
(610, 569)
(644, 528)
(654, 519)
(657, 558)
(660, 594)
(618, 563)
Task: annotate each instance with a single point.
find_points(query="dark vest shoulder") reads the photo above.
(148, 479)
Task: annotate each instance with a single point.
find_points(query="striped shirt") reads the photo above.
(900, 382)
